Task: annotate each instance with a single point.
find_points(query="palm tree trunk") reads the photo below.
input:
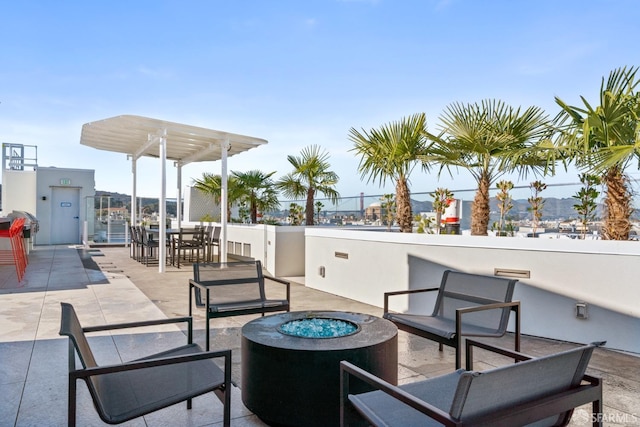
(254, 211)
(403, 206)
(480, 210)
(309, 208)
(617, 205)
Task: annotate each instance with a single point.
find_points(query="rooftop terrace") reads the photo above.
(107, 286)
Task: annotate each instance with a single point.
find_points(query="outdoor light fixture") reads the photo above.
(581, 310)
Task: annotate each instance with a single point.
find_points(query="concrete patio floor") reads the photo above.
(106, 286)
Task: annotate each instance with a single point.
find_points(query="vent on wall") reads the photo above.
(342, 255)
(509, 272)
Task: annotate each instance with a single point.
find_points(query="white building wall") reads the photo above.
(49, 178)
(362, 265)
(18, 191)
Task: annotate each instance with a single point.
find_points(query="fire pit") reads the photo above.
(291, 363)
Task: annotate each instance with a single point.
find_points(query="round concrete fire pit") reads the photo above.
(291, 380)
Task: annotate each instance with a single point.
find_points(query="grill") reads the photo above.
(31, 225)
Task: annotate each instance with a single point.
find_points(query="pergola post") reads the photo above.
(162, 228)
(179, 194)
(134, 197)
(224, 147)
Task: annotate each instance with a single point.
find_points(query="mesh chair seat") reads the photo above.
(438, 391)
(439, 326)
(129, 394)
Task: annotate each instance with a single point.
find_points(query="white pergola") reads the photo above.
(183, 144)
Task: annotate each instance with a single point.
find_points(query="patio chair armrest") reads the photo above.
(192, 286)
(348, 369)
(404, 292)
(283, 282)
(143, 323)
(514, 306)
(150, 363)
(195, 284)
(277, 279)
(469, 344)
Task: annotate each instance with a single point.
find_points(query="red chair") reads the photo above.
(17, 255)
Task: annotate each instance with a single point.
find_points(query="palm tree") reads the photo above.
(212, 184)
(319, 205)
(388, 207)
(505, 203)
(604, 140)
(536, 204)
(587, 200)
(258, 191)
(391, 152)
(310, 175)
(490, 139)
(442, 198)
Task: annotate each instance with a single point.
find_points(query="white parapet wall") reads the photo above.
(279, 248)
(554, 275)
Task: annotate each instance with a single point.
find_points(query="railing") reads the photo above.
(558, 207)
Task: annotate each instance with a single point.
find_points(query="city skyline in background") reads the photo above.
(294, 73)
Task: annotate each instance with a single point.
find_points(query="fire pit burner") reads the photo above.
(318, 327)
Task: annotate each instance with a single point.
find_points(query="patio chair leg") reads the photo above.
(596, 412)
(71, 408)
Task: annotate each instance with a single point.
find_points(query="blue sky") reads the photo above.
(294, 72)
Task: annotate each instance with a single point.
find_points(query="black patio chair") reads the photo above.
(128, 390)
(135, 243)
(234, 289)
(149, 246)
(542, 390)
(467, 304)
(214, 242)
(191, 242)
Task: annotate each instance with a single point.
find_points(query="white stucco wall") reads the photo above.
(281, 249)
(49, 178)
(18, 191)
(562, 272)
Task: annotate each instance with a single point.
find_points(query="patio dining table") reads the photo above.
(174, 233)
